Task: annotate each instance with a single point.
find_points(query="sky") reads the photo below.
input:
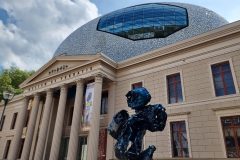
(31, 30)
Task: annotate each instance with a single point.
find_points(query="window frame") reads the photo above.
(2, 124)
(174, 118)
(182, 86)
(233, 76)
(225, 113)
(70, 116)
(7, 148)
(107, 108)
(135, 82)
(14, 120)
(232, 127)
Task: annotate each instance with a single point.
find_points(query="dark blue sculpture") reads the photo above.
(126, 129)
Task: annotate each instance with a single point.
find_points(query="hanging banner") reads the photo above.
(88, 106)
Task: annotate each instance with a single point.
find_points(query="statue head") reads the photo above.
(137, 98)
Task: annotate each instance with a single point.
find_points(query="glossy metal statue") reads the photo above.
(131, 129)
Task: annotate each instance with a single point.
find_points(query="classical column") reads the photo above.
(14, 148)
(57, 134)
(111, 112)
(76, 122)
(30, 128)
(44, 126)
(93, 137)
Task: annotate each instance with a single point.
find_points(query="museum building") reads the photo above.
(187, 56)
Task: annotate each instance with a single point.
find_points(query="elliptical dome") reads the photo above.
(120, 39)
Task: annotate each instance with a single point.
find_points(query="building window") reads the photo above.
(1, 125)
(21, 148)
(137, 85)
(82, 148)
(70, 116)
(179, 139)
(5, 155)
(174, 88)
(14, 120)
(104, 102)
(27, 118)
(231, 132)
(222, 78)
(64, 148)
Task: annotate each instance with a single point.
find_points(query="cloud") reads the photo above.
(38, 27)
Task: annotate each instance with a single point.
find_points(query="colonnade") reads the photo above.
(93, 136)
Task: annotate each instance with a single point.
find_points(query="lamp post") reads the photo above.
(7, 96)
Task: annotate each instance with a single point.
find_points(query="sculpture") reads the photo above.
(126, 129)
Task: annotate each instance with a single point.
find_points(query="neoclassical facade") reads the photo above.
(68, 103)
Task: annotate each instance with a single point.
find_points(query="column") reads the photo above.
(111, 112)
(30, 128)
(14, 147)
(76, 122)
(57, 134)
(93, 137)
(44, 126)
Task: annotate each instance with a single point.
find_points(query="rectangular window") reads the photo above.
(27, 118)
(137, 85)
(63, 148)
(21, 148)
(5, 155)
(82, 148)
(70, 115)
(1, 125)
(179, 139)
(222, 78)
(231, 133)
(14, 120)
(104, 102)
(174, 88)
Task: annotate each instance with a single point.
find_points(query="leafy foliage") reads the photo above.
(10, 79)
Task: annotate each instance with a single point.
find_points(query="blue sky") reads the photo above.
(31, 30)
(229, 9)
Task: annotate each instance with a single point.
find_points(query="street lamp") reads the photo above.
(7, 96)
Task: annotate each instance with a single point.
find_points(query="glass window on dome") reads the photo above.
(139, 22)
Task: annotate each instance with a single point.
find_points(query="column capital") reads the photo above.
(26, 97)
(36, 95)
(98, 78)
(64, 88)
(48, 90)
(79, 81)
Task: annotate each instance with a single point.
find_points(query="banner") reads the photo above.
(88, 106)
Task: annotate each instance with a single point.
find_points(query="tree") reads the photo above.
(10, 79)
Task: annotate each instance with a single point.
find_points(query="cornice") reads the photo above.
(15, 98)
(221, 32)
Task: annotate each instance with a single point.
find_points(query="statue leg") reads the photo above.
(148, 153)
(134, 151)
(122, 144)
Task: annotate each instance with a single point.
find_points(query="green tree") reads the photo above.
(10, 79)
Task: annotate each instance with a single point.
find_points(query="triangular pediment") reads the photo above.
(57, 66)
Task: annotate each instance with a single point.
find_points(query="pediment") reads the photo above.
(57, 66)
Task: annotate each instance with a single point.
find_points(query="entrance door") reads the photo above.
(231, 132)
(102, 145)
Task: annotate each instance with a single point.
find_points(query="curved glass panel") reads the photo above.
(144, 21)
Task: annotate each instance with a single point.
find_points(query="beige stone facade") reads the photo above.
(46, 95)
